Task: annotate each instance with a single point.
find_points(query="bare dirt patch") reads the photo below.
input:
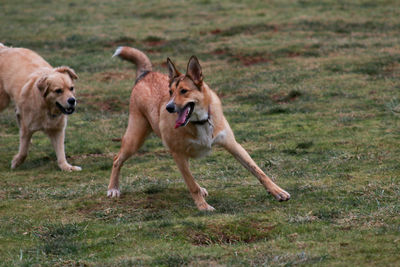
(285, 98)
(216, 31)
(238, 232)
(252, 60)
(127, 41)
(154, 41)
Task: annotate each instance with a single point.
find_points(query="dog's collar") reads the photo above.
(201, 122)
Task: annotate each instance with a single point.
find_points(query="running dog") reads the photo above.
(187, 115)
(43, 96)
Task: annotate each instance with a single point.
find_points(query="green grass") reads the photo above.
(311, 89)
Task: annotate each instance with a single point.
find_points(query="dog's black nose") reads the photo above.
(171, 107)
(71, 101)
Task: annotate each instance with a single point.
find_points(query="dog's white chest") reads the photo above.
(201, 146)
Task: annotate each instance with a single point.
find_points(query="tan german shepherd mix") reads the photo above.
(187, 115)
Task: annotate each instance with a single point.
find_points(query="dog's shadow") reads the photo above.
(47, 162)
(36, 163)
(167, 202)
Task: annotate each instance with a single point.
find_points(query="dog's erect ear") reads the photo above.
(194, 71)
(68, 70)
(172, 71)
(43, 85)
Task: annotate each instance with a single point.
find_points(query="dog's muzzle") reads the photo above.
(184, 115)
(67, 110)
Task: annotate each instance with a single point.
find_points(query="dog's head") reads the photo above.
(187, 93)
(57, 88)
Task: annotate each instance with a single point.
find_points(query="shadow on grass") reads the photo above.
(60, 239)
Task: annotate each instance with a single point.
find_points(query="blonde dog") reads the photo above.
(43, 96)
(187, 115)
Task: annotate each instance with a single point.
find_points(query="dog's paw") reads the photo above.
(76, 168)
(17, 160)
(14, 164)
(70, 168)
(282, 195)
(113, 192)
(203, 192)
(205, 207)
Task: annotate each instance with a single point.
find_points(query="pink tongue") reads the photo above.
(181, 117)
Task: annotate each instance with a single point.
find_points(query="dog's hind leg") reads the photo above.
(18, 116)
(137, 131)
(198, 193)
(24, 141)
(4, 99)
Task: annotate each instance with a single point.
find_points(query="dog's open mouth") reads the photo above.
(66, 111)
(184, 115)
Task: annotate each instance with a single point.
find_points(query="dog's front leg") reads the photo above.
(24, 141)
(57, 139)
(198, 193)
(241, 155)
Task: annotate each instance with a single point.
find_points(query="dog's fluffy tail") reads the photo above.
(135, 56)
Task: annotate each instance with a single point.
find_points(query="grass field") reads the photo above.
(311, 89)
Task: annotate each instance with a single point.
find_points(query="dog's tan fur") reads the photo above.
(35, 87)
(207, 125)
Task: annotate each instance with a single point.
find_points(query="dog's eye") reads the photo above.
(170, 92)
(58, 91)
(183, 91)
(71, 89)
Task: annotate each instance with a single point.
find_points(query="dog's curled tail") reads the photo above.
(135, 56)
